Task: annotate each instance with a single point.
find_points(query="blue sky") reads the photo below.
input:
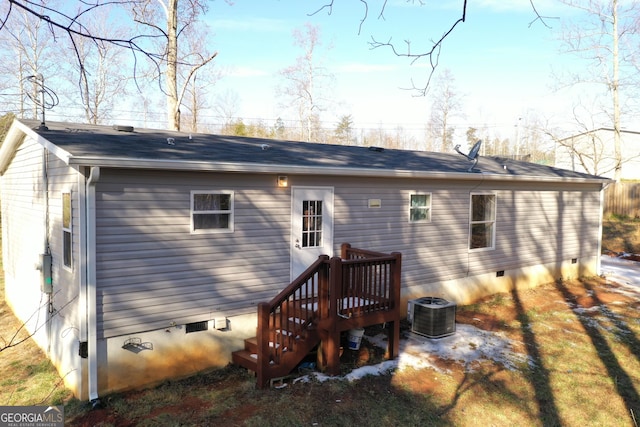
(501, 64)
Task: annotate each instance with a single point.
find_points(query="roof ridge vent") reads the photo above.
(377, 149)
(123, 128)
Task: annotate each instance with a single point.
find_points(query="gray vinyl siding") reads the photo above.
(152, 271)
(535, 224)
(27, 210)
(23, 209)
(61, 178)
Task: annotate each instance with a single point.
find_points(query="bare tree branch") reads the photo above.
(14, 341)
(435, 47)
(540, 17)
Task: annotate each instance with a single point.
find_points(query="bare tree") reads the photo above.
(179, 21)
(446, 105)
(199, 84)
(306, 80)
(587, 151)
(104, 79)
(178, 17)
(226, 105)
(606, 35)
(27, 54)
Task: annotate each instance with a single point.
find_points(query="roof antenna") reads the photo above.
(46, 100)
(473, 154)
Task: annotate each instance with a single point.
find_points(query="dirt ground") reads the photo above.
(449, 395)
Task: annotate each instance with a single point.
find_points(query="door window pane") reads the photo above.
(311, 223)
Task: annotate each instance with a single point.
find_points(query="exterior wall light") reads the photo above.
(283, 181)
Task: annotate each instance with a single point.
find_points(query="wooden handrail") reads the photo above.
(331, 295)
(348, 252)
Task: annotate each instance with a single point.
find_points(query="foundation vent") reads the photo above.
(197, 326)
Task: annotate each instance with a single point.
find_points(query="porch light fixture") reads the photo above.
(283, 181)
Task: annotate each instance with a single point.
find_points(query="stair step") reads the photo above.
(251, 344)
(246, 359)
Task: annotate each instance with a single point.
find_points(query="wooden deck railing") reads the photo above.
(288, 317)
(357, 289)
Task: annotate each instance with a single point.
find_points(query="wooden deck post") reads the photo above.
(344, 250)
(262, 337)
(332, 345)
(324, 283)
(394, 328)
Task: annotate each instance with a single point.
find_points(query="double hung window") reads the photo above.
(66, 229)
(482, 224)
(420, 208)
(211, 211)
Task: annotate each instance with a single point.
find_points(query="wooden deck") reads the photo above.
(358, 289)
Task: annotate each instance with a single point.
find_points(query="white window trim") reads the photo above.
(231, 212)
(67, 230)
(428, 207)
(495, 222)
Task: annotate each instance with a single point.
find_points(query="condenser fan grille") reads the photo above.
(433, 317)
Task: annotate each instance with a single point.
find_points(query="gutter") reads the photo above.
(264, 168)
(92, 339)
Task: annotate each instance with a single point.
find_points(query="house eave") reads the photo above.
(262, 168)
(14, 139)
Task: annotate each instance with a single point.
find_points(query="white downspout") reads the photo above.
(82, 279)
(600, 227)
(92, 339)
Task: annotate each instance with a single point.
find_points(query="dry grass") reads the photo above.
(582, 336)
(621, 235)
(28, 378)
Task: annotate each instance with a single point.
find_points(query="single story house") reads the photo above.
(137, 255)
(593, 152)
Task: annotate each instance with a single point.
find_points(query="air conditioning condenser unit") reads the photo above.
(432, 317)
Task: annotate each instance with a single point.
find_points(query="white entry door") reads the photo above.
(311, 226)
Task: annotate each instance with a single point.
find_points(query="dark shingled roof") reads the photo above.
(108, 143)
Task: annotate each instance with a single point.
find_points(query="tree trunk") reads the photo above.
(173, 105)
(616, 96)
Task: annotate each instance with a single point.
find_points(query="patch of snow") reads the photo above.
(466, 346)
(469, 344)
(622, 271)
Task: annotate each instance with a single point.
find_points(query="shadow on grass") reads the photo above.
(623, 382)
(538, 375)
(625, 335)
(483, 383)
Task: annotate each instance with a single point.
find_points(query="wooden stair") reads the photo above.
(357, 289)
(301, 345)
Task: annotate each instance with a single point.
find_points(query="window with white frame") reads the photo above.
(482, 224)
(66, 229)
(211, 211)
(420, 208)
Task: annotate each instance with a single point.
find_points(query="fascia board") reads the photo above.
(14, 139)
(261, 168)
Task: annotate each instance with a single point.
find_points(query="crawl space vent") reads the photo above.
(432, 317)
(197, 326)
